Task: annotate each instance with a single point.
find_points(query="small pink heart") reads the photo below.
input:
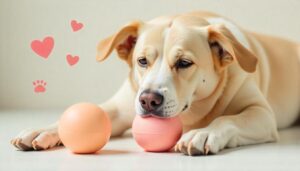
(43, 48)
(72, 60)
(76, 25)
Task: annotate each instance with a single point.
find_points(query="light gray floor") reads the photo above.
(123, 153)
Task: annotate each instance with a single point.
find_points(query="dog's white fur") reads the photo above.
(227, 107)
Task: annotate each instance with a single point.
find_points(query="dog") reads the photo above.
(230, 87)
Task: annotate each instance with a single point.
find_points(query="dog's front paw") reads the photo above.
(204, 141)
(36, 140)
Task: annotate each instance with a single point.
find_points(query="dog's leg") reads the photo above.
(120, 110)
(254, 124)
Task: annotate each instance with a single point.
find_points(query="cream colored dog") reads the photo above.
(229, 86)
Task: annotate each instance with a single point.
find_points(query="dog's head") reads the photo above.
(175, 62)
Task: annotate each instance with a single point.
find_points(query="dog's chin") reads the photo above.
(161, 113)
(156, 114)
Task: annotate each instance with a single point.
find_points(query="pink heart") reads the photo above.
(43, 48)
(72, 60)
(76, 25)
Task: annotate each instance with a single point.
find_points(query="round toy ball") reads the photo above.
(156, 134)
(84, 128)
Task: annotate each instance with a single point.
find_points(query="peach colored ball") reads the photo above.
(155, 134)
(84, 128)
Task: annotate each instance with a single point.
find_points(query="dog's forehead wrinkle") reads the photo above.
(152, 40)
(191, 40)
(150, 52)
(152, 35)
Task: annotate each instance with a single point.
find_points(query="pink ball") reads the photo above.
(156, 134)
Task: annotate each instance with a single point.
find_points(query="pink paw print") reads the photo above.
(39, 86)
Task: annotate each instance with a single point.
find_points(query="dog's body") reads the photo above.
(229, 86)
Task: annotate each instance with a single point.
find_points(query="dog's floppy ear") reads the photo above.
(123, 41)
(226, 49)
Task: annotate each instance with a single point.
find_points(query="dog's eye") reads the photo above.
(142, 61)
(183, 63)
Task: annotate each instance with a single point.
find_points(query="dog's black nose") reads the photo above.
(150, 100)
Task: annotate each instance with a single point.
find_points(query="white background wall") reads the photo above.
(22, 21)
